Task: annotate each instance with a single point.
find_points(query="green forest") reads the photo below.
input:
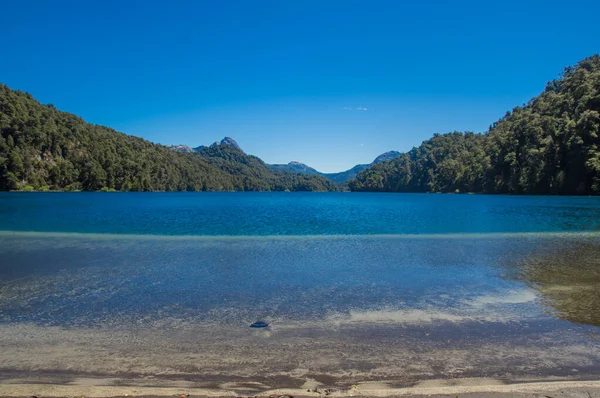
(42, 148)
(551, 145)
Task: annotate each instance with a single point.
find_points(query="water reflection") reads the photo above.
(567, 276)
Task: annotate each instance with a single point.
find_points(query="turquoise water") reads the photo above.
(409, 277)
(249, 213)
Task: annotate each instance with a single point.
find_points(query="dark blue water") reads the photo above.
(380, 273)
(245, 213)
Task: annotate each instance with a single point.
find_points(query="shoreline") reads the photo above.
(18, 234)
(87, 388)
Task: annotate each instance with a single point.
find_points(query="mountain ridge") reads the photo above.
(187, 149)
(295, 166)
(339, 177)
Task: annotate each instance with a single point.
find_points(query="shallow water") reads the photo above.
(148, 287)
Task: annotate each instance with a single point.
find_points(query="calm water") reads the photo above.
(247, 213)
(355, 286)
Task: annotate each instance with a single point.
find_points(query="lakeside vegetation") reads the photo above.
(551, 145)
(42, 148)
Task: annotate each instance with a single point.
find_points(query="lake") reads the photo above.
(161, 288)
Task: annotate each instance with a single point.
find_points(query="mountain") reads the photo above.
(181, 148)
(187, 149)
(338, 178)
(295, 167)
(384, 157)
(347, 175)
(42, 148)
(257, 176)
(224, 141)
(551, 145)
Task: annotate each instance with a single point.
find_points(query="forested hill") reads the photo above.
(549, 146)
(42, 148)
(254, 173)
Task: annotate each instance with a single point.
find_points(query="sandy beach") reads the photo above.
(457, 387)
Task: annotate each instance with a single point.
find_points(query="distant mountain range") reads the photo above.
(297, 167)
(342, 176)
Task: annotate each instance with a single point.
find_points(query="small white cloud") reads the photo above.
(360, 109)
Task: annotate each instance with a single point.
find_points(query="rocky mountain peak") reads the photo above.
(227, 141)
(386, 156)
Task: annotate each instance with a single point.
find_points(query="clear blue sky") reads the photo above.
(328, 83)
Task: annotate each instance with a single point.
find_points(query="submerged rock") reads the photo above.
(259, 324)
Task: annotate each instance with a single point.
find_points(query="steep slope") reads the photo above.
(549, 146)
(42, 148)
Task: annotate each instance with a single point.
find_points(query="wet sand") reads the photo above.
(293, 357)
(473, 388)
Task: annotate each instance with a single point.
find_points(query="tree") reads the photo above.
(548, 146)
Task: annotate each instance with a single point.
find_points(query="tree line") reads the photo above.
(551, 145)
(42, 148)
